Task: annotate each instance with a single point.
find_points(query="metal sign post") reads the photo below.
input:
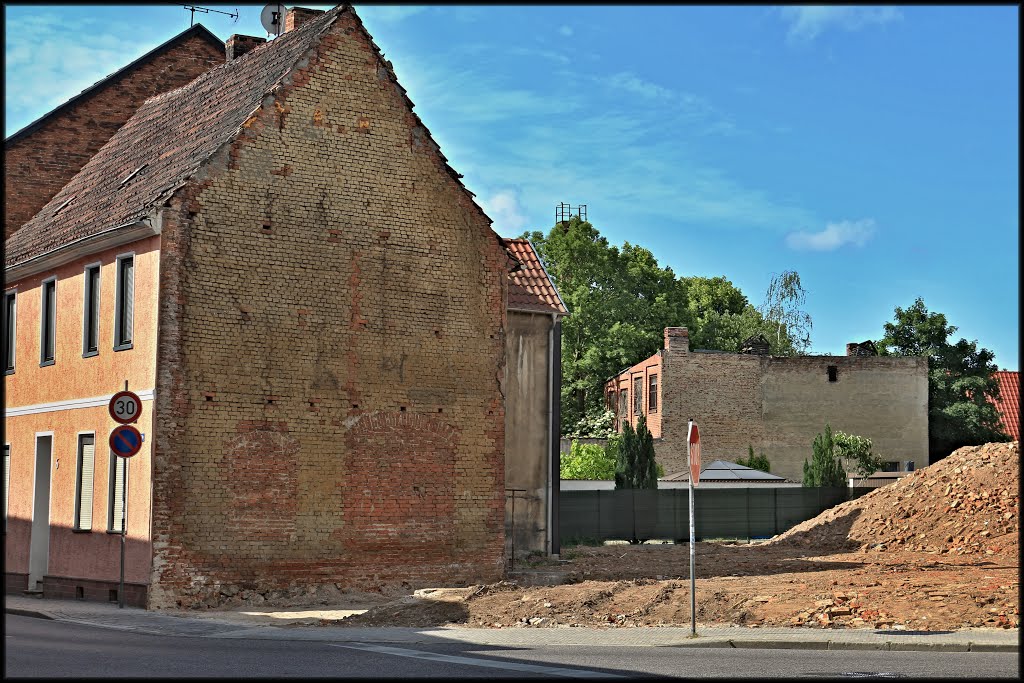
(693, 460)
(125, 441)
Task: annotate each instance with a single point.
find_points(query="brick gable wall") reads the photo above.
(38, 164)
(331, 356)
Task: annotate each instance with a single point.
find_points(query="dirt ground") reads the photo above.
(938, 550)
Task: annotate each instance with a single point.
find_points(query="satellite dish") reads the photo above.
(272, 18)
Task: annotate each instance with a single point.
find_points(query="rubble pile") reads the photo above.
(965, 504)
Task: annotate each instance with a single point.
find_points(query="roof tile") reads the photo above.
(530, 288)
(1008, 403)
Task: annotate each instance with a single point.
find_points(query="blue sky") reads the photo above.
(873, 150)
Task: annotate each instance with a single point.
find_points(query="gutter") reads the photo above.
(66, 253)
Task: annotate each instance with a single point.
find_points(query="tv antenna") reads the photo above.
(272, 18)
(207, 10)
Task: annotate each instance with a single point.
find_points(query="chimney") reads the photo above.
(297, 16)
(677, 339)
(238, 45)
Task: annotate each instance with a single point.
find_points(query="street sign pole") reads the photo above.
(690, 447)
(124, 525)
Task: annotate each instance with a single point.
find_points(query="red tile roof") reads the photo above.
(170, 138)
(1008, 403)
(530, 288)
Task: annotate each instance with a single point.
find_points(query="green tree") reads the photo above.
(587, 461)
(824, 469)
(636, 467)
(856, 452)
(961, 384)
(783, 309)
(757, 462)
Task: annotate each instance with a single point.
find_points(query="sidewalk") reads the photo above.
(299, 624)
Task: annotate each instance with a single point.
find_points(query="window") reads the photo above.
(116, 497)
(638, 395)
(91, 315)
(124, 303)
(624, 405)
(891, 466)
(833, 373)
(83, 481)
(652, 394)
(48, 323)
(9, 338)
(7, 481)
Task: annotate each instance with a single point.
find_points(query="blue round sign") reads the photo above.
(125, 441)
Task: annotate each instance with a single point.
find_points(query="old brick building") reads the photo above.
(43, 156)
(312, 307)
(775, 404)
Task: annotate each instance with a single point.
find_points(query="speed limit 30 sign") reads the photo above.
(125, 407)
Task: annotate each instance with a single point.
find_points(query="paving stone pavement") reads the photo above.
(299, 624)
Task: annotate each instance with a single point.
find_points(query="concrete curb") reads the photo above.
(888, 646)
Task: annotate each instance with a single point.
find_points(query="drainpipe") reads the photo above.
(555, 434)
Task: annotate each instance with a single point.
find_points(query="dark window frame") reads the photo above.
(91, 311)
(652, 393)
(10, 340)
(48, 322)
(124, 303)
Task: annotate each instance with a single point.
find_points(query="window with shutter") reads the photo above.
(48, 321)
(91, 324)
(83, 485)
(116, 497)
(10, 307)
(125, 300)
(7, 481)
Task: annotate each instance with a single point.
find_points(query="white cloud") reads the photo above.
(565, 31)
(807, 22)
(630, 83)
(503, 208)
(833, 236)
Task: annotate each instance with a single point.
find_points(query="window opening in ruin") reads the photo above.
(833, 373)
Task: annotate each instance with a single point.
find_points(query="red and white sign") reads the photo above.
(125, 407)
(693, 449)
(125, 441)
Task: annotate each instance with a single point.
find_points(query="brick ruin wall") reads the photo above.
(38, 164)
(331, 354)
(778, 405)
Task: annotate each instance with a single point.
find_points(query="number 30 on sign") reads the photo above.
(125, 407)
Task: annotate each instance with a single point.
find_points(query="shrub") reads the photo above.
(757, 462)
(587, 461)
(824, 468)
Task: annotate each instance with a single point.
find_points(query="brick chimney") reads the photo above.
(864, 348)
(238, 45)
(297, 16)
(677, 340)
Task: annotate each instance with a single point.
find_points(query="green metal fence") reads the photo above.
(740, 513)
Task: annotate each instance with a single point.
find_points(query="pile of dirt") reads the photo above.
(936, 551)
(965, 504)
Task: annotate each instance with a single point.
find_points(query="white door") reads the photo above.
(39, 547)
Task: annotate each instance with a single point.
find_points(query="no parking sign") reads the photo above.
(125, 441)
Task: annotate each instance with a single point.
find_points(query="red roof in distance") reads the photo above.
(1008, 403)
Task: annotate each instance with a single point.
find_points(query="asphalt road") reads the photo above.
(43, 648)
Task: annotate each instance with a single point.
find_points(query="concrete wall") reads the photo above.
(332, 351)
(527, 430)
(778, 405)
(39, 163)
(68, 398)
